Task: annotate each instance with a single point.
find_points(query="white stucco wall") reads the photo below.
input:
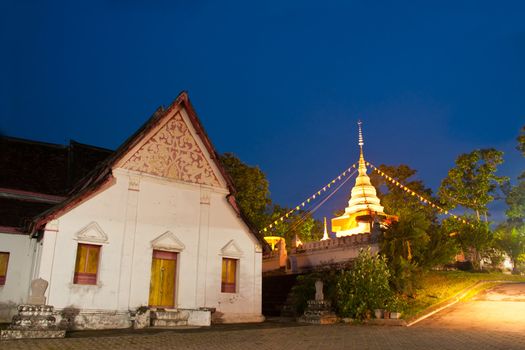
(15, 291)
(132, 216)
(60, 247)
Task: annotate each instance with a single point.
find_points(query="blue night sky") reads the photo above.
(280, 84)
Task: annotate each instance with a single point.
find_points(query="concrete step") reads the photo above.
(168, 323)
(169, 318)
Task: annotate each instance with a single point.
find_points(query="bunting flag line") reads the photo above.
(418, 196)
(309, 199)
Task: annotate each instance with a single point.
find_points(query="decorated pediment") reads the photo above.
(167, 241)
(231, 249)
(92, 233)
(173, 152)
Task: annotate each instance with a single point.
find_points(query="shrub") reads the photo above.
(304, 289)
(365, 287)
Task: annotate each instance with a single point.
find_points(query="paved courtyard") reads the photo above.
(495, 320)
(499, 309)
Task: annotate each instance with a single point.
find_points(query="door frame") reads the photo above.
(156, 253)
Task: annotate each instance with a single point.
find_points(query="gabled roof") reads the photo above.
(101, 176)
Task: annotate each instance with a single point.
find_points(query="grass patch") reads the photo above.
(438, 286)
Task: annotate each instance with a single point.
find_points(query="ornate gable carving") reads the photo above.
(92, 233)
(231, 249)
(167, 241)
(174, 153)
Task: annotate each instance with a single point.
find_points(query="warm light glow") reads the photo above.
(363, 207)
(273, 240)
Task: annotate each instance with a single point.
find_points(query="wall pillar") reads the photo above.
(202, 249)
(128, 245)
(47, 259)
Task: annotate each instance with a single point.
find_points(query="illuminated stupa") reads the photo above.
(364, 207)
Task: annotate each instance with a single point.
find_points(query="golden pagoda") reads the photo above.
(364, 208)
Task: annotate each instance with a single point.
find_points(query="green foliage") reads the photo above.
(298, 223)
(515, 200)
(440, 249)
(521, 141)
(304, 289)
(412, 245)
(396, 304)
(510, 238)
(252, 188)
(418, 226)
(365, 287)
(253, 197)
(472, 183)
(475, 239)
(396, 200)
(405, 238)
(495, 257)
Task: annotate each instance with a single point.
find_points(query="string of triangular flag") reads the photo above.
(310, 198)
(422, 199)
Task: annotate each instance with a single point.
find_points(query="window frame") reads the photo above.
(3, 278)
(84, 278)
(225, 286)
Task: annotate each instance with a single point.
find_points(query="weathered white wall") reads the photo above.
(60, 246)
(15, 291)
(134, 214)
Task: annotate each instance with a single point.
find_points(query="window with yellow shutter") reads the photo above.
(229, 275)
(4, 260)
(86, 266)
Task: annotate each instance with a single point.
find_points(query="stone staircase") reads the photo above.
(169, 317)
(287, 309)
(276, 294)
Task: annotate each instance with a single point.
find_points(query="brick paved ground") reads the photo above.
(472, 325)
(286, 337)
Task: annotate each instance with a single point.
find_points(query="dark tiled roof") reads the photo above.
(46, 168)
(17, 213)
(30, 171)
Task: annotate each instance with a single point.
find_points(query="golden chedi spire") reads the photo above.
(363, 205)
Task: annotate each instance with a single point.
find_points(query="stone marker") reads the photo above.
(318, 311)
(38, 288)
(319, 290)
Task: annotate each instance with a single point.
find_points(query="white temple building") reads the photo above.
(153, 227)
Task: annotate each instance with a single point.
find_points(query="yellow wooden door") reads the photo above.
(162, 285)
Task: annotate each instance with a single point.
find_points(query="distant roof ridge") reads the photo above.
(71, 141)
(35, 142)
(53, 144)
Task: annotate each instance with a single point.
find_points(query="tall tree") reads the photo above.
(299, 223)
(515, 199)
(396, 200)
(515, 196)
(473, 183)
(475, 239)
(253, 197)
(510, 236)
(431, 246)
(251, 184)
(521, 141)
